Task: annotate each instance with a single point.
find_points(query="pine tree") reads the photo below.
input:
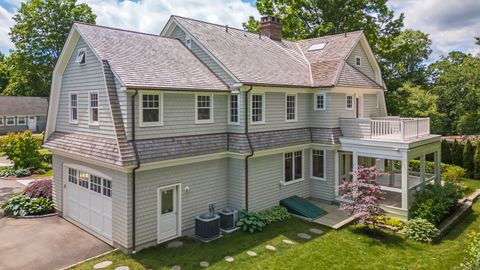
(457, 154)
(476, 162)
(446, 152)
(468, 153)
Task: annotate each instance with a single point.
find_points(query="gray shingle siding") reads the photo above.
(366, 67)
(236, 183)
(330, 117)
(325, 189)
(370, 107)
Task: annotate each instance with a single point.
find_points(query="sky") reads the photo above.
(451, 24)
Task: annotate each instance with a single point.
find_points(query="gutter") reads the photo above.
(134, 173)
(252, 151)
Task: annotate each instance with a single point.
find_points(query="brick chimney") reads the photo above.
(271, 27)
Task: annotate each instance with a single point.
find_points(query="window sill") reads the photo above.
(94, 124)
(156, 124)
(320, 110)
(234, 123)
(323, 179)
(200, 122)
(292, 182)
(73, 122)
(257, 123)
(291, 121)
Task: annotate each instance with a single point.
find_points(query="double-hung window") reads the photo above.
(81, 56)
(320, 102)
(233, 108)
(349, 102)
(93, 107)
(10, 120)
(358, 61)
(22, 120)
(73, 108)
(291, 107)
(318, 164)
(293, 166)
(204, 109)
(151, 109)
(258, 108)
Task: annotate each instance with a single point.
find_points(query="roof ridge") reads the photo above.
(308, 62)
(215, 24)
(332, 35)
(120, 29)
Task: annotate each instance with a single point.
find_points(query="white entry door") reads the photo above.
(168, 214)
(32, 123)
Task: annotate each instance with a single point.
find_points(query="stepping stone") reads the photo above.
(228, 258)
(204, 264)
(176, 267)
(287, 241)
(101, 265)
(251, 253)
(304, 236)
(316, 231)
(175, 244)
(270, 247)
(122, 268)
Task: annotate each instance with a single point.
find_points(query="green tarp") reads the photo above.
(302, 207)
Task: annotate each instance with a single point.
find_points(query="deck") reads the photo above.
(335, 217)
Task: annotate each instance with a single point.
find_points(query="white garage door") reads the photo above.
(89, 201)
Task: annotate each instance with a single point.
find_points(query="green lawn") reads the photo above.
(471, 185)
(348, 248)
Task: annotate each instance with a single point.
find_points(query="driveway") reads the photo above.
(42, 243)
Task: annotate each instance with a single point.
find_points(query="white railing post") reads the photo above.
(402, 129)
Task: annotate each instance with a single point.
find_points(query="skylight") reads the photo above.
(318, 46)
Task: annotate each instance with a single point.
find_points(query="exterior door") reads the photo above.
(168, 216)
(32, 123)
(346, 164)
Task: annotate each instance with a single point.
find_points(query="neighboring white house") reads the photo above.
(19, 113)
(148, 130)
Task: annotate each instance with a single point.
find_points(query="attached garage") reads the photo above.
(87, 200)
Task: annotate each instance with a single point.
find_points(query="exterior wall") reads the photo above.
(371, 107)
(236, 183)
(41, 123)
(366, 67)
(330, 117)
(207, 184)
(82, 79)
(325, 189)
(121, 196)
(355, 127)
(265, 174)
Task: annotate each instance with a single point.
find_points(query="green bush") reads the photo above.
(22, 205)
(7, 171)
(476, 162)
(421, 230)
(435, 203)
(392, 222)
(457, 153)
(472, 262)
(46, 155)
(250, 221)
(40, 206)
(23, 172)
(273, 214)
(468, 153)
(446, 152)
(22, 150)
(453, 174)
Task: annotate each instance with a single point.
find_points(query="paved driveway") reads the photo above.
(42, 243)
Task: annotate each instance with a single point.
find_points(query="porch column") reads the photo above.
(337, 172)
(405, 181)
(391, 177)
(354, 165)
(437, 166)
(422, 169)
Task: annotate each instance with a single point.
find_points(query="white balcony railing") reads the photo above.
(399, 128)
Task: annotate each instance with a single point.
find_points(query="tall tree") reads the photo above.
(38, 34)
(476, 162)
(478, 40)
(468, 153)
(3, 72)
(457, 154)
(446, 152)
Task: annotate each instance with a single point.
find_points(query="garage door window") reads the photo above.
(96, 183)
(89, 181)
(83, 179)
(107, 188)
(72, 176)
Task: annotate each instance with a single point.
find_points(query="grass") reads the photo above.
(471, 185)
(49, 173)
(348, 248)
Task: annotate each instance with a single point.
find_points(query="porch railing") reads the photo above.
(400, 128)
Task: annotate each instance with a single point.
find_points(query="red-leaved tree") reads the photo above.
(365, 196)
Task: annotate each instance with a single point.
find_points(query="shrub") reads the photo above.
(472, 262)
(446, 152)
(46, 155)
(392, 222)
(7, 171)
(457, 154)
(250, 222)
(421, 230)
(23, 172)
(274, 214)
(453, 174)
(476, 162)
(40, 206)
(468, 153)
(22, 205)
(39, 189)
(22, 150)
(434, 203)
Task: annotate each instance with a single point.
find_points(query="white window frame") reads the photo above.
(71, 120)
(263, 109)
(24, 120)
(84, 51)
(358, 58)
(295, 108)
(284, 183)
(324, 178)
(378, 101)
(315, 102)
(188, 41)
(346, 102)
(2, 121)
(14, 121)
(90, 121)
(230, 109)
(204, 121)
(160, 110)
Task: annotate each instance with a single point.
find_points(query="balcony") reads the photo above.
(392, 128)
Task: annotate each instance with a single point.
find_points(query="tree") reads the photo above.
(446, 152)
(477, 40)
(3, 72)
(365, 194)
(476, 162)
(40, 30)
(251, 25)
(457, 154)
(22, 150)
(468, 153)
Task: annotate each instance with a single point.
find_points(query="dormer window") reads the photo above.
(188, 42)
(81, 57)
(358, 61)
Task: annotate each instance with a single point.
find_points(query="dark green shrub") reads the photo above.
(17, 205)
(40, 206)
(7, 171)
(446, 152)
(476, 162)
(457, 154)
(46, 155)
(22, 150)
(274, 214)
(420, 230)
(250, 222)
(23, 172)
(435, 203)
(468, 153)
(472, 262)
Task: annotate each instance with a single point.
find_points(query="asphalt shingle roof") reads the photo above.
(11, 106)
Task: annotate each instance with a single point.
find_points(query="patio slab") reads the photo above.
(335, 217)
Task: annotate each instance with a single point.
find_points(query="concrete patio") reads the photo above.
(335, 217)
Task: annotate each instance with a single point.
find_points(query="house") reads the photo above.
(18, 114)
(148, 130)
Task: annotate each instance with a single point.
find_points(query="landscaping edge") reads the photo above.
(89, 259)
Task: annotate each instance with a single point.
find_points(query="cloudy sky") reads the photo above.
(452, 24)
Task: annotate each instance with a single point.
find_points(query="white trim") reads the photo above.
(315, 101)
(295, 119)
(178, 187)
(187, 39)
(70, 120)
(204, 121)
(24, 120)
(2, 121)
(160, 109)
(324, 178)
(239, 97)
(293, 181)
(84, 50)
(263, 108)
(90, 121)
(92, 161)
(14, 121)
(86, 169)
(358, 58)
(346, 102)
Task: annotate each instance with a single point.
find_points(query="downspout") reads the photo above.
(134, 144)
(252, 151)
